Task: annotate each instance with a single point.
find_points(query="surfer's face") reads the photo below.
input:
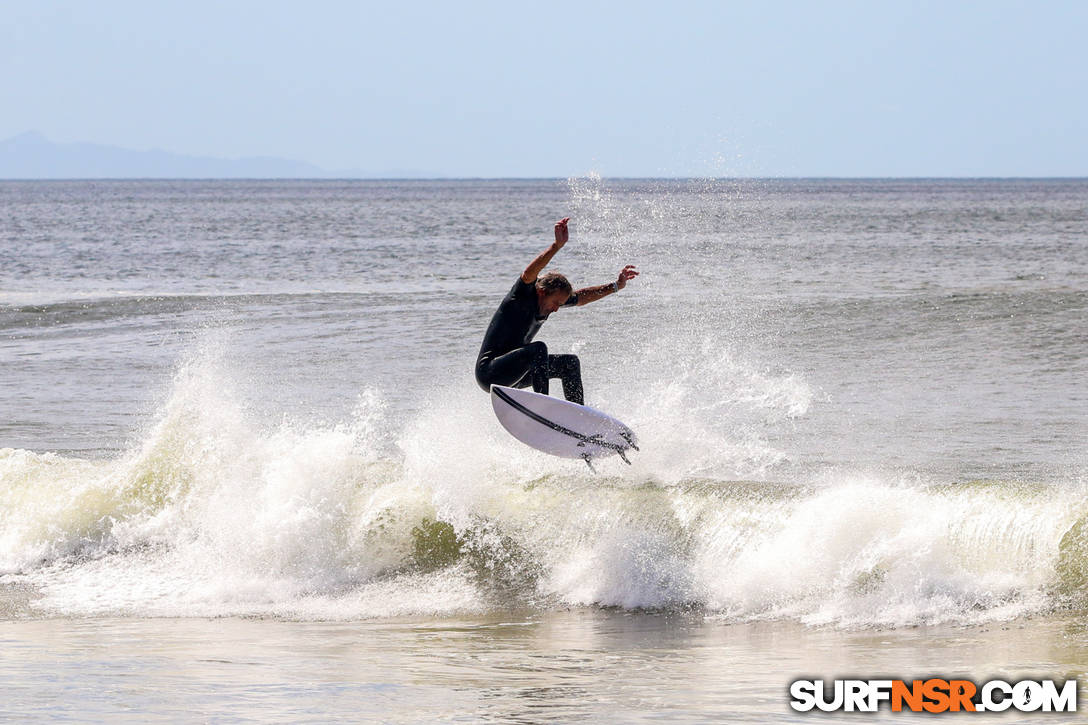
(552, 301)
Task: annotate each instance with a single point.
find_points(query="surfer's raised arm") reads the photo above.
(537, 265)
(509, 357)
(592, 294)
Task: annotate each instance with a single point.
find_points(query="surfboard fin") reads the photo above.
(624, 457)
(585, 457)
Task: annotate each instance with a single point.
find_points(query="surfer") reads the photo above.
(508, 355)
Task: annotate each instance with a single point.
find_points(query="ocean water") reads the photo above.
(246, 409)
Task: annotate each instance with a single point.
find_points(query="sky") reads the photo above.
(558, 89)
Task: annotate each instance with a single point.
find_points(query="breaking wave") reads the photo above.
(215, 512)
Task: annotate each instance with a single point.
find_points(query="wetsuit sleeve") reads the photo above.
(571, 301)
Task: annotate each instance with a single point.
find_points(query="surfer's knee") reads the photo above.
(482, 374)
(539, 352)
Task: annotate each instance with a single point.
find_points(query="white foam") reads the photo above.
(216, 512)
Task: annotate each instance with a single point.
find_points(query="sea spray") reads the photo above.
(699, 382)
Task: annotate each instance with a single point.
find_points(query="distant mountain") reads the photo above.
(32, 156)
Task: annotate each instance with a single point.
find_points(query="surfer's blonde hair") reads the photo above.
(554, 282)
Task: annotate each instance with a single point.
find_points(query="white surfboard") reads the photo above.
(559, 427)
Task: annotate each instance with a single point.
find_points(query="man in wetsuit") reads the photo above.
(508, 355)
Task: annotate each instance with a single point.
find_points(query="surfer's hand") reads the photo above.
(561, 233)
(628, 272)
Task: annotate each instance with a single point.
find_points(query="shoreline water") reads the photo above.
(582, 664)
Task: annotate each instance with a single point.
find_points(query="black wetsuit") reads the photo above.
(508, 355)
